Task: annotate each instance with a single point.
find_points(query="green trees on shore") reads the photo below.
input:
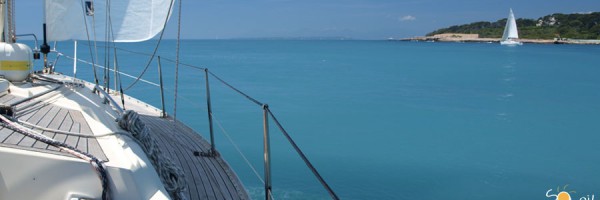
(575, 26)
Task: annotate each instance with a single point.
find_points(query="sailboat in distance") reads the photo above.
(511, 34)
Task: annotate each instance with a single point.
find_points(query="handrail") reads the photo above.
(267, 160)
(34, 39)
(213, 151)
(267, 152)
(306, 161)
(162, 93)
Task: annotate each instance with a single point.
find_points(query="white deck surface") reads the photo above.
(77, 109)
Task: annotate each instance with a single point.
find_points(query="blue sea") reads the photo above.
(384, 119)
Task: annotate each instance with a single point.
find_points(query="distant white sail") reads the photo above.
(510, 31)
(132, 20)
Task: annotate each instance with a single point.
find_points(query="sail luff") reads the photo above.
(506, 27)
(510, 30)
(511, 35)
(513, 32)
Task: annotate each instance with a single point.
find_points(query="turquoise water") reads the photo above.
(394, 120)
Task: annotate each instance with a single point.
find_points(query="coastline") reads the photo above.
(468, 38)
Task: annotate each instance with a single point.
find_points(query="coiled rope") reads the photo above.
(95, 162)
(172, 176)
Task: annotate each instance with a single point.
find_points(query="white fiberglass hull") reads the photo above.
(510, 43)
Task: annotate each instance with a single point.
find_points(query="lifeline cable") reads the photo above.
(304, 158)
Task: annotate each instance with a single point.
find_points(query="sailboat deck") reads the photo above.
(206, 177)
(52, 117)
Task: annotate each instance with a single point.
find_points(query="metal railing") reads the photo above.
(267, 146)
(213, 152)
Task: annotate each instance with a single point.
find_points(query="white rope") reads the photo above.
(97, 65)
(171, 175)
(95, 162)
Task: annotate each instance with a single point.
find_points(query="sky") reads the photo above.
(356, 19)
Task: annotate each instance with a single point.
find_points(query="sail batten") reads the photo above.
(130, 20)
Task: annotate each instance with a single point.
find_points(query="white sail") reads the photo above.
(510, 31)
(131, 20)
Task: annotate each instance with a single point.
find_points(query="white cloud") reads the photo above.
(407, 18)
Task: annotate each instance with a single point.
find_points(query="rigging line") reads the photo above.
(116, 82)
(55, 60)
(117, 75)
(226, 133)
(177, 63)
(271, 194)
(118, 79)
(69, 133)
(183, 64)
(237, 148)
(155, 48)
(238, 91)
(162, 58)
(106, 38)
(304, 158)
(154, 84)
(106, 72)
(97, 65)
(157, 85)
(95, 37)
(87, 32)
(95, 162)
(130, 51)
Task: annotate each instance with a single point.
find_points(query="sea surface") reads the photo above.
(383, 119)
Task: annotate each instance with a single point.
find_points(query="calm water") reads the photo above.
(394, 120)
